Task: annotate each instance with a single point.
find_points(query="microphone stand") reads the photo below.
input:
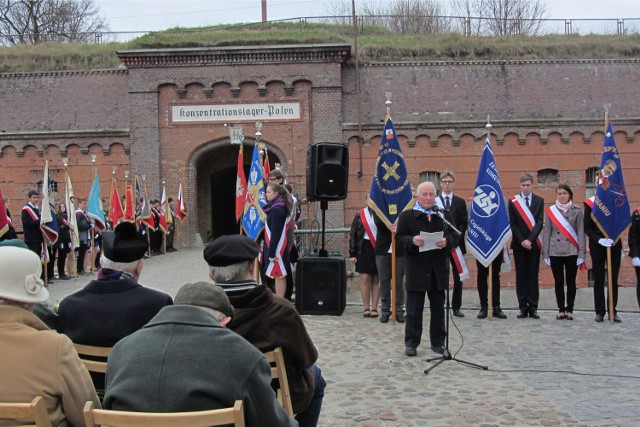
(446, 354)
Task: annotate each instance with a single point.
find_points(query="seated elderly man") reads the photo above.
(115, 304)
(268, 321)
(185, 360)
(34, 360)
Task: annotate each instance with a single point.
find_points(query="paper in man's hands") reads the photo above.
(430, 240)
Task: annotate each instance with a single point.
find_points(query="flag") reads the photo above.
(4, 219)
(488, 229)
(611, 211)
(168, 216)
(267, 166)
(145, 216)
(182, 208)
(48, 220)
(390, 192)
(253, 216)
(241, 185)
(95, 210)
(162, 214)
(115, 208)
(71, 209)
(129, 205)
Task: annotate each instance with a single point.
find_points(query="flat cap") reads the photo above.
(203, 294)
(124, 243)
(229, 250)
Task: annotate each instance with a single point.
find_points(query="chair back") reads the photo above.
(102, 417)
(35, 411)
(279, 372)
(86, 352)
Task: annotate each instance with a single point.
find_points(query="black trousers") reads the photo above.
(413, 318)
(483, 283)
(598, 264)
(638, 284)
(456, 295)
(564, 270)
(527, 269)
(82, 250)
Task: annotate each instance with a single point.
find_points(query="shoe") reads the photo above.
(399, 318)
(561, 316)
(384, 318)
(522, 314)
(497, 312)
(438, 349)
(458, 313)
(617, 319)
(569, 316)
(482, 314)
(366, 313)
(65, 277)
(534, 314)
(410, 351)
(599, 318)
(374, 313)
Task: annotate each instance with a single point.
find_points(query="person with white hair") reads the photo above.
(36, 361)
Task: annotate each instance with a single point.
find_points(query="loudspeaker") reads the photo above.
(327, 171)
(321, 285)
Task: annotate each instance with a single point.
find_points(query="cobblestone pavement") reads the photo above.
(541, 372)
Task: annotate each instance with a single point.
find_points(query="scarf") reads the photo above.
(275, 202)
(109, 275)
(564, 207)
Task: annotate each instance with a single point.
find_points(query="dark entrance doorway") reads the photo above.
(223, 202)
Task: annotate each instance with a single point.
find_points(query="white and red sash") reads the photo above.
(564, 227)
(526, 215)
(458, 261)
(589, 202)
(276, 267)
(369, 225)
(34, 216)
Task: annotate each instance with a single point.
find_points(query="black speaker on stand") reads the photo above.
(321, 280)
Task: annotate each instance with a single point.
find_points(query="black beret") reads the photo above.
(231, 249)
(124, 243)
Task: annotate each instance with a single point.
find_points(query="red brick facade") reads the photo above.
(546, 115)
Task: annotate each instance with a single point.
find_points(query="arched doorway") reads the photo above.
(216, 170)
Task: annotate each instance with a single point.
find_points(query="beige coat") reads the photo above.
(38, 361)
(555, 244)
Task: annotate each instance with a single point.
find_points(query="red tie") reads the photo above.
(429, 217)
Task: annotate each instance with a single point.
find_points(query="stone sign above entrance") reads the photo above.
(216, 113)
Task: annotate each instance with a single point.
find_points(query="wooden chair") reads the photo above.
(101, 417)
(279, 372)
(86, 352)
(35, 411)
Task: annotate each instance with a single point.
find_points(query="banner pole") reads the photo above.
(393, 277)
(610, 285)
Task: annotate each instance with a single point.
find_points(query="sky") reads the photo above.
(153, 15)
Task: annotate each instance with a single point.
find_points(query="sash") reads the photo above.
(458, 261)
(34, 216)
(564, 227)
(525, 214)
(276, 268)
(369, 226)
(590, 200)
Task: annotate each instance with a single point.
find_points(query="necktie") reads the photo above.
(526, 200)
(447, 204)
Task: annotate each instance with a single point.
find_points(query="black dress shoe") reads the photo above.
(458, 313)
(438, 349)
(534, 314)
(410, 351)
(599, 318)
(617, 319)
(497, 312)
(399, 318)
(384, 318)
(482, 314)
(522, 314)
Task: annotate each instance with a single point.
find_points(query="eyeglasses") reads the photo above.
(446, 182)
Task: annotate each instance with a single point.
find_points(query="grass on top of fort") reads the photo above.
(374, 44)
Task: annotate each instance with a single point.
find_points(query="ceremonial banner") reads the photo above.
(611, 211)
(48, 219)
(95, 210)
(71, 209)
(145, 216)
(4, 219)
(390, 192)
(182, 208)
(115, 207)
(241, 185)
(129, 205)
(253, 217)
(162, 218)
(489, 228)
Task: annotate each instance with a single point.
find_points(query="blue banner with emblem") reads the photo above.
(611, 211)
(390, 192)
(253, 216)
(488, 230)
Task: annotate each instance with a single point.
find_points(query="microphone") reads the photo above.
(440, 212)
(437, 208)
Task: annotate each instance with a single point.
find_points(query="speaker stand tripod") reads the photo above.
(324, 205)
(446, 354)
